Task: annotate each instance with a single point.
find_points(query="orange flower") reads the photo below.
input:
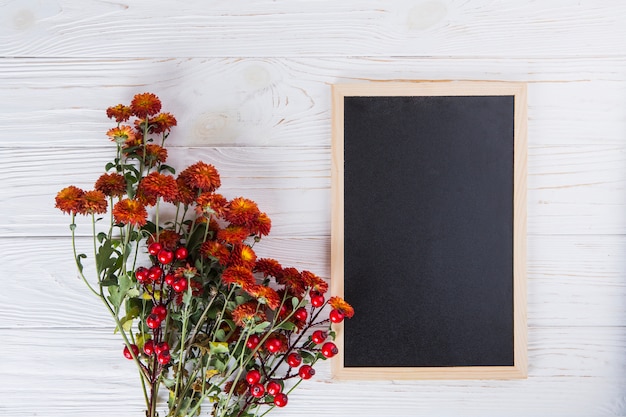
(155, 185)
(145, 104)
(94, 202)
(247, 312)
(338, 303)
(261, 225)
(213, 249)
(186, 194)
(265, 295)
(292, 280)
(314, 282)
(162, 122)
(268, 266)
(233, 234)
(238, 275)
(201, 176)
(121, 113)
(242, 255)
(168, 238)
(155, 154)
(122, 134)
(112, 185)
(70, 200)
(130, 212)
(209, 203)
(242, 212)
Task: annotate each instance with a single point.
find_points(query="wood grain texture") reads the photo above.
(62, 28)
(250, 85)
(286, 102)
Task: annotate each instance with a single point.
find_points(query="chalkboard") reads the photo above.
(428, 229)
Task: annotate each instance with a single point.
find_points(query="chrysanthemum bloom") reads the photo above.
(265, 295)
(201, 176)
(121, 134)
(186, 194)
(145, 104)
(340, 304)
(112, 185)
(120, 113)
(242, 212)
(155, 154)
(210, 203)
(233, 234)
(185, 272)
(158, 185)
(213, 249)
(130, 212)
(248, 312)
(292, 280)
(268, 267)
(168, 238)
(162, 122)
(94, 202)
(69, 200)
(238, 275)
(314, 282)
(261, 226)
(242, 255)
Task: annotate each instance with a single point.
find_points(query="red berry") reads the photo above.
(169, 279)
(273, 388)
(253, 341)
(306, 372)
(153, 321)
(181, 253)
(127, 353)
(273, 344)
(141, 274)
(154, 248)
(253, 376)
(319, 336)
(336, 316)
(294, 359)
(154, 273)
(161, 347)
(148, 347)
(317, 300)
(280, 400)
(165, 256)
(164, 357)
(160, 311)
(329, 349)
(180, 285)
(257, 390)
(300, 314)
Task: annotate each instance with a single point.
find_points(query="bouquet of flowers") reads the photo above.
(198, 312)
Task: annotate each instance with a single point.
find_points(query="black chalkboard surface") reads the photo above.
(429, 229)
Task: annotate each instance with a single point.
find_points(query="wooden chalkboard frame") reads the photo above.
(435, 88)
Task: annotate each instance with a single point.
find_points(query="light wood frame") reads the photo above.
(435, 88)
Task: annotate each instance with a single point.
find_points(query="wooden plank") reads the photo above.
(572, 280)
(285, 102)
(573, 372)
(318, 28)
(571, 189)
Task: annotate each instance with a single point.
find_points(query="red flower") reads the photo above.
(155, 185)
(121, 113)
(168, 238)
(233, 234)
(201, 176)
(209, 203)
(338, 303)
(262, 225)
(238, 275)
(213, 249)
(242, 212)
(122, 134)
(242, 255)
(155, 154)
(292, 280)
(112, 185)
(130, 212)
(265, 295)
(70, 200)
(268, 266)
(145, 104)
(162, 122)
(246, 312)
(314, 282)
(94, 202)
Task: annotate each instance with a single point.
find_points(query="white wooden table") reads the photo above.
(249, 83)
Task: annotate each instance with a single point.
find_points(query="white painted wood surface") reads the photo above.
(250, 85)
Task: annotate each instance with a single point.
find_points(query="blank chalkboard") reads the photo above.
(428, 234)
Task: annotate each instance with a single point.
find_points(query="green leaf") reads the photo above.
(307, 357)
(109, 166)
(164, 167)
(294, 302)
(289, 326)
(218, 347)
(79, 262)
(220, 335)
(72, 226)
(259, 328)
